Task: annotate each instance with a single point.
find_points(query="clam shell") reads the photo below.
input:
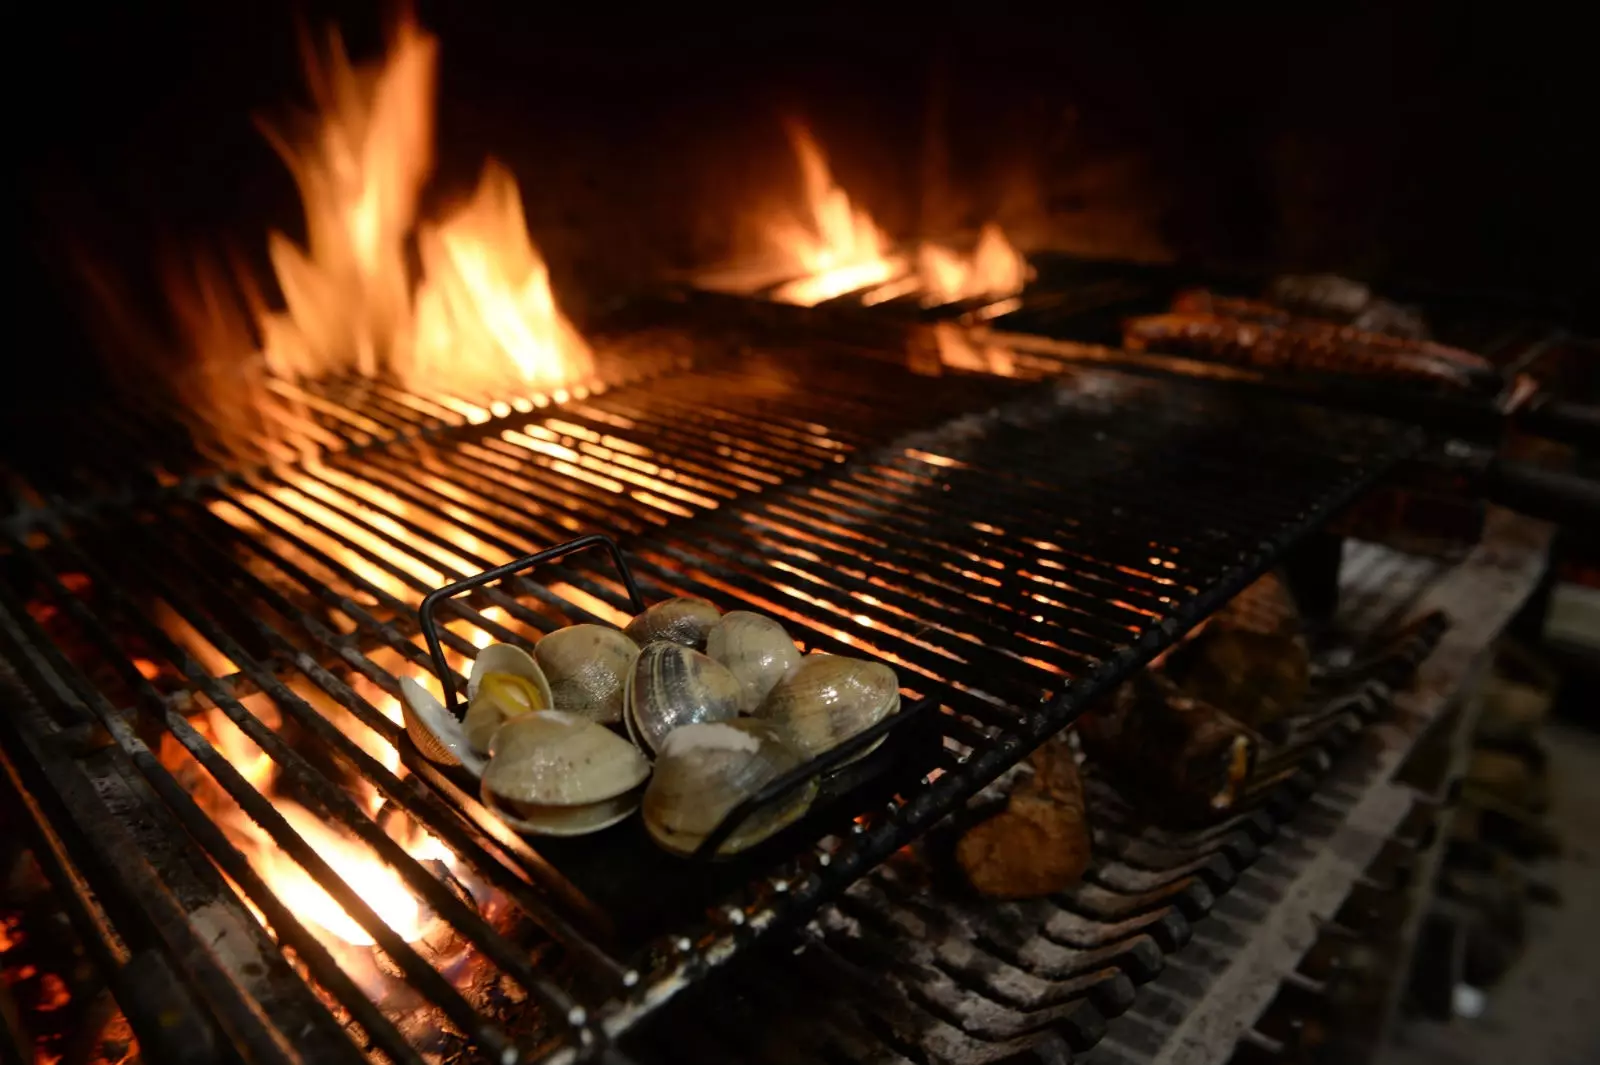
(563, 820)
(434, 731)
(828, 699)
(587, 667)
(506, 658)
(704, 771)
(682, 620)
(550, 758)
(672, 686)
(756, 650)
(485, 714)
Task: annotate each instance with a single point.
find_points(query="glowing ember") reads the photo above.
(481, 316)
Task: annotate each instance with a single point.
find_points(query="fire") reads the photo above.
(834, 247)
(481, 314)
(837, 246)
(355, 863)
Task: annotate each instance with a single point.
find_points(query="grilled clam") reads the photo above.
(672, 686)
(756, 650)
(682, 620)
(505, 682)
(558, 774)
(434, 730)
(704, 771)
(587, 667)
(829, 698)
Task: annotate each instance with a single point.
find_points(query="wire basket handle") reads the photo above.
(430, 602)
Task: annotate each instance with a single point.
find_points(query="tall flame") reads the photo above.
(480, 316)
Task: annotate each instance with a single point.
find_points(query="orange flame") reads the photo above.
(836, 248)
(481, 316)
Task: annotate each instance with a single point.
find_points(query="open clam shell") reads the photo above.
(587, 667)
(756, 650)
(829, 698)
(434, 730)
(705, 771)
(504, 682)
(672, 686)
(683, 620)
(559, 774)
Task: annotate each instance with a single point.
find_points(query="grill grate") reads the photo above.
(1012, 563)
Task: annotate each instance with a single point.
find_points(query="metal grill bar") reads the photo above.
(1012, 565)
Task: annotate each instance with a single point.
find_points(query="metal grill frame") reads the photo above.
(674, 964)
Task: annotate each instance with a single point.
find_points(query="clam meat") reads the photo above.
(558, 774)
(672, 686)
(505, 682)
(588, 667)
(829, 698)
(705, 771)
(682, 620)
(756, 650)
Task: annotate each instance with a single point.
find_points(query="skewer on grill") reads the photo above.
(1287, 343)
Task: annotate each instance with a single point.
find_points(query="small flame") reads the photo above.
(838, 245)
(995, 270)
(837, 248)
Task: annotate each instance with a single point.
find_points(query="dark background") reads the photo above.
(1434, 144)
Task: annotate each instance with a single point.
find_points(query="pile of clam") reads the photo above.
(686, 713)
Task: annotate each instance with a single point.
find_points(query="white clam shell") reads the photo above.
(705, 771)
(829, 698)
(484, 716)
(551, 758)
(684, 620)
(756, 650)
(671, 686)
(506, 658)
(434, 731)
(587, 667)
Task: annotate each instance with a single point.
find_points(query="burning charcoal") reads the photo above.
(1178, 756)
(1040, 843)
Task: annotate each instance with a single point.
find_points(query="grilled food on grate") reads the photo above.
(1304, 345)
(1181, 758)
(1250, 658)
(1039, 844)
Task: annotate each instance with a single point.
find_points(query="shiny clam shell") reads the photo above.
(434, 730)
(587, 667)
(829, 698)
(672, 686)
(705, 771)
(489, 704)
(559, 774)
(684, 620)
(756, 650)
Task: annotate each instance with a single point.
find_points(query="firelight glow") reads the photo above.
(833, 247)
(480, 315)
